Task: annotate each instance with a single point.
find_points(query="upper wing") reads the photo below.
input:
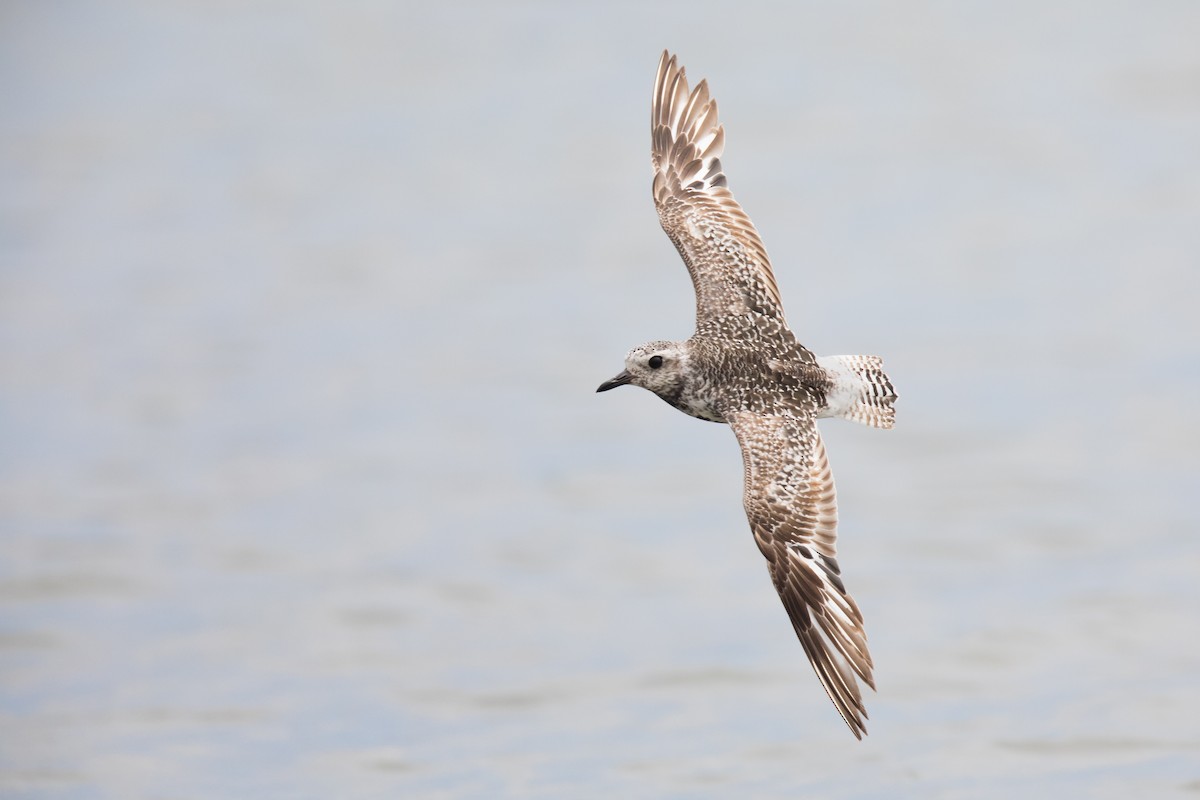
(792, 507)
(724, 255)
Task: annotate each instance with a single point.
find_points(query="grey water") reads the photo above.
(305, 491)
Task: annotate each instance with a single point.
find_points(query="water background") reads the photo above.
(305, 492)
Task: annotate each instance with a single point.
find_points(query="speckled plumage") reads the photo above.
(744, 367)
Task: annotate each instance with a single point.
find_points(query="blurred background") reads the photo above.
(305, 491)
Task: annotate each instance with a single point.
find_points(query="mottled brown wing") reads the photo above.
(792, 507)
(723, 252)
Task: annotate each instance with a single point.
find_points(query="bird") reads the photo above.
(744, 367)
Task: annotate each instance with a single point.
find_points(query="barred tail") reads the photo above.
(862, 390)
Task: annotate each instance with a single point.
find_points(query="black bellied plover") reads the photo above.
(743, 366)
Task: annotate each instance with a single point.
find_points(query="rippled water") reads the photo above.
(305, 490)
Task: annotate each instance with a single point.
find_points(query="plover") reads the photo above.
(743, 366)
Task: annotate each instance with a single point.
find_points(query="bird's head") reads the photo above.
(657, 366)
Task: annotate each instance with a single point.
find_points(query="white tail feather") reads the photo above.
(861, 390)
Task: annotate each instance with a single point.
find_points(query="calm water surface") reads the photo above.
(305, 490)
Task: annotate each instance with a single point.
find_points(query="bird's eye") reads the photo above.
(655, 362)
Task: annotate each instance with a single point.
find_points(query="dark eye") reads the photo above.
(655, 362)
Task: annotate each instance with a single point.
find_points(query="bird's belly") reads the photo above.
(697, 407)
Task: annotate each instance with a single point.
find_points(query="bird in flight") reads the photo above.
(744, 367)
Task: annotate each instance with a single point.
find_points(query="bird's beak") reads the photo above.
(620, 379)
